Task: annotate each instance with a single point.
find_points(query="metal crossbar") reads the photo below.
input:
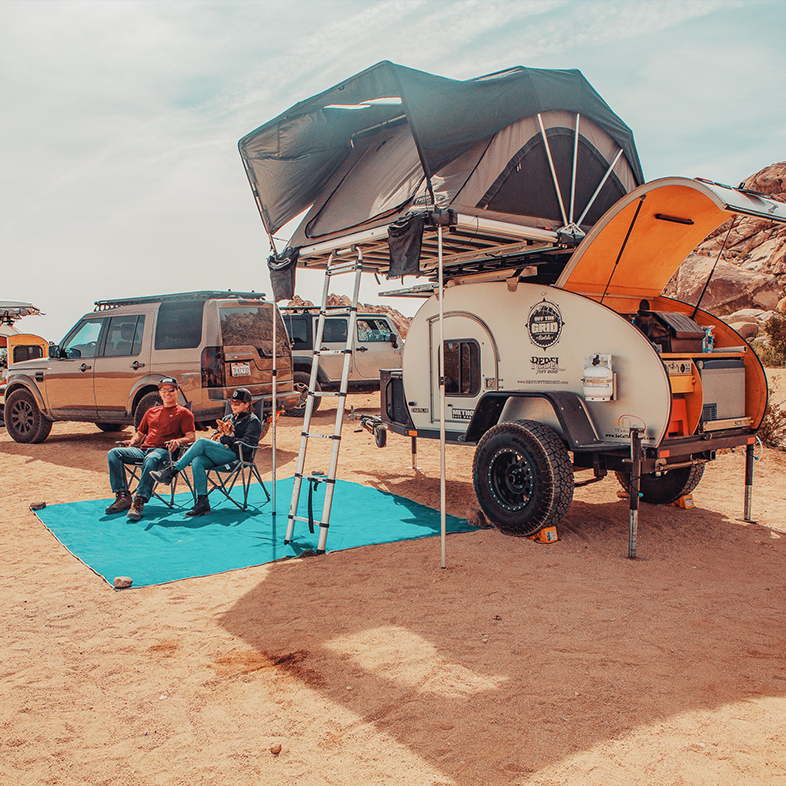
(307, 434)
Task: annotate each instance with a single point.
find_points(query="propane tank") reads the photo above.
(598, 378)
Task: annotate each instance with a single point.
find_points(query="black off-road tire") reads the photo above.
(300, 380)
(523, 477)
(148, 401)
(667, 487)
(110, 427)
(23, 419)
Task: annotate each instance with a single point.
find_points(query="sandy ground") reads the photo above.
(521, 663)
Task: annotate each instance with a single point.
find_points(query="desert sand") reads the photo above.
(520, 663)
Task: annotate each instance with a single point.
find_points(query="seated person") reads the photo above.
(169, 426)
(242, 425)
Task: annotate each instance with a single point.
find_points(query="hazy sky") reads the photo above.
(119, 120)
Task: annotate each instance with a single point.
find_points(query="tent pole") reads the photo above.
(575, 166)
(441, 402)
(553, 171)
(600, 186)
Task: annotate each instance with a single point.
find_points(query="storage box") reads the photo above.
(723, 382)
(670, 331)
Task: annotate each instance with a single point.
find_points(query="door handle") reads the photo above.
(136, 365)
(362, 349)
(85, 367)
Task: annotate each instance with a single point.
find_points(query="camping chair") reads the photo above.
(134, 469)
(224, 477)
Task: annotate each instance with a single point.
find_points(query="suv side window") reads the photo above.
(83, 340)
(373, 330)
(179, 324)
(124, 335)
(335, 330)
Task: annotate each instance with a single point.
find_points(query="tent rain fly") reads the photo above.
(526, 159)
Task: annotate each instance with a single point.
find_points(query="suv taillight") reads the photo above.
(213, 375)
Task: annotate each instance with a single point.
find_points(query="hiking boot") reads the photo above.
(165, 476)
(121, 503)
(201, 508)
(135, 510)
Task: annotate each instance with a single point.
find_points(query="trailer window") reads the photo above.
(462, 367)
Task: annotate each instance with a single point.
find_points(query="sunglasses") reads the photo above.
(168, 390)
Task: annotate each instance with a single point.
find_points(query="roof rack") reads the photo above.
(206, 294)
(474, 245)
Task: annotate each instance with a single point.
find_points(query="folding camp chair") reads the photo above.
(134, 469)
(224, 477)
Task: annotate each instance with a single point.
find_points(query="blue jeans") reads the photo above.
(203, 455)
(153, 458)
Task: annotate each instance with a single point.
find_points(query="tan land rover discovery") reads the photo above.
(106, 370)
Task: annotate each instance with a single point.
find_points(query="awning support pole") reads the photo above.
(441, 401)
(274, 406)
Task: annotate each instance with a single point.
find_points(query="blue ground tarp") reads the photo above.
(165, 546)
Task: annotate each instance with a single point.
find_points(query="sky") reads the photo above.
(119, 119)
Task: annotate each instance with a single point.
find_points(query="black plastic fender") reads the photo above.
(575, 421)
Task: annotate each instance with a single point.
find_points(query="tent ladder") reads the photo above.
(333, 269)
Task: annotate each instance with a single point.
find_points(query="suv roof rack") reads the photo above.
(309, 309)
(205, 294)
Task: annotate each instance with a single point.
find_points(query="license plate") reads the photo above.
(241, 369)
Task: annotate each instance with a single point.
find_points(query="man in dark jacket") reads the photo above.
(241, 426)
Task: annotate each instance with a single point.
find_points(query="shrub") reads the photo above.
(772, 430)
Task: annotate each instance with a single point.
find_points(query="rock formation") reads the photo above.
(751, 272)
(399, 320)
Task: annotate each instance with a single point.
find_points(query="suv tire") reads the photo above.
(110, 426)
(300, 381)
(148, 401)
(23, 418)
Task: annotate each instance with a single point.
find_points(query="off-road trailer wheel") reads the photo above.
(523, 477)
(300, 380)
(666, 487)
(23, 418)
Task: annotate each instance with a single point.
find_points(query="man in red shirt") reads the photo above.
(162, 429)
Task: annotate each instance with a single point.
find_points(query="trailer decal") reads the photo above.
(544, 324)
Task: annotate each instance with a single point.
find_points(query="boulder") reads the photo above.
(745, 329)
(781, 307)
(729, 287)
(754, 315)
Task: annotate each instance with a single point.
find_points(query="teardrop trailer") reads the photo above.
(546, 342)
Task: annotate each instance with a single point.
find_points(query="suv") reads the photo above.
(107, 368)
(376, 345)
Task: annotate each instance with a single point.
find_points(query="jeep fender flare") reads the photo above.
(26, 383)
(573, 421)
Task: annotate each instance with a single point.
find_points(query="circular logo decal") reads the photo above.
(544, 324)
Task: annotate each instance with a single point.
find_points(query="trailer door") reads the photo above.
(471, 367)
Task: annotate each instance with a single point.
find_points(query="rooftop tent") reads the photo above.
(384, 141)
